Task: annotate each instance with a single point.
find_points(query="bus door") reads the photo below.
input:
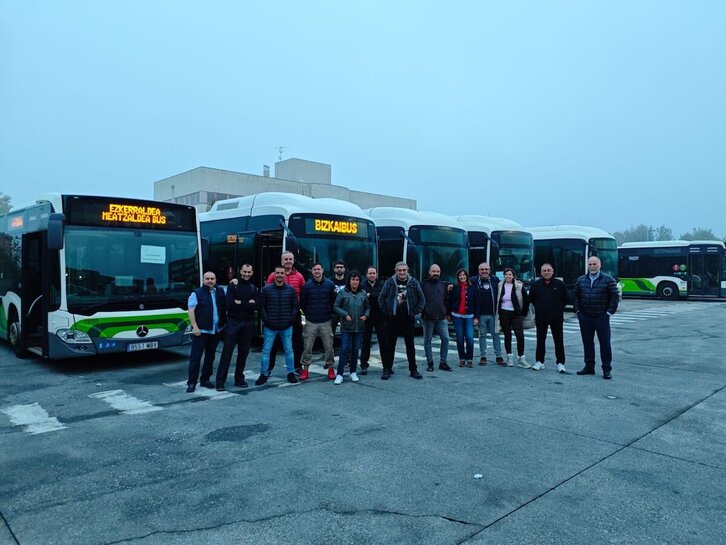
(35, 293)
(262, 249)
(704, 274)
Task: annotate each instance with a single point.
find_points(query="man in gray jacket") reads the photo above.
(401, 299)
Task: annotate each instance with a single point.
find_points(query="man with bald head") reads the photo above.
(596, 299)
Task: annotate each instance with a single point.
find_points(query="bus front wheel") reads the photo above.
(15, 338)
(668, 290)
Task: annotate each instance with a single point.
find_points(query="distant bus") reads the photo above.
(256, 229)
(420, 239)
(673, 269)
(501, 242)
(568, 247)
(83, 275)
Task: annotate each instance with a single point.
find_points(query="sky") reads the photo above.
(608, 113)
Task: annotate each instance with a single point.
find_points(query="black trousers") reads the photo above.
(365, 350)
(511, 321)
(557, 337)
(205, 343)
(297, 343)
(399, 325)
(237, 333)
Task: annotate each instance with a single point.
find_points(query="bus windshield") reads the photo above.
(516, 251)
(444, 246)
(123, 269)
(607, 250)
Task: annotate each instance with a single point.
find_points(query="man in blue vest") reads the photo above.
(208, 315)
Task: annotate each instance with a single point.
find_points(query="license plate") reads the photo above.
(135, 347)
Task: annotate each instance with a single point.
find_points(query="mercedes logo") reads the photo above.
(141, 306)
(142, 331)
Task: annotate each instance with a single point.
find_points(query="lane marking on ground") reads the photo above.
(207, 393)
(125, 403)
(33, 418)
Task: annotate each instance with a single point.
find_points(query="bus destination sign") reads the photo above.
(126, 213)
(335, 226)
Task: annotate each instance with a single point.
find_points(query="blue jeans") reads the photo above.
(269, 339)
(348, 339)
(442, 330)
(464, 328)
(486, 325)
(589, 325)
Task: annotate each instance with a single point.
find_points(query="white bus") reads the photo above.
(256, 229)
(674, 268)
(500, 242)
(568, 247)
(420, 239)
(83, 275)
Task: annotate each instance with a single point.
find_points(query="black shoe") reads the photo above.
(363, 370)
(207, 384)
(386, 374)
(606, 375)
(586, 371)
(500, 361)
(291, 378)
(483, 360)
(430, 366)
(391, 370)
(191, 388)
(220, 387)
(261, 380)
(241, 383)
(415, 374)
(445, 366)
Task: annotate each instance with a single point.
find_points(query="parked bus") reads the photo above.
(568, 247)
(256, 229)
(83, 275)
(673, 269)
(500, 242)
(420, 239)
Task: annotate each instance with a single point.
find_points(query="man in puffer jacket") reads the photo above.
(316, 301)
(596, 299)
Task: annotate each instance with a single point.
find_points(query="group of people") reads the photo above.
(363, 306)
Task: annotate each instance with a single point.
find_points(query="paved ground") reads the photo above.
(115, 451)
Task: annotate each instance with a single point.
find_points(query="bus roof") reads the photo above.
(390, 216)
(280, 204)
(671, 243)
(487, 224)
(581, 232)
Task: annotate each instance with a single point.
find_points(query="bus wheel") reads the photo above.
(15, 339)
(667, 290)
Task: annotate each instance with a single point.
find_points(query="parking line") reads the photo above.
(125, 403)
(33, 417)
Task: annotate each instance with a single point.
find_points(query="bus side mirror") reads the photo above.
(55, 231)
(205, 249)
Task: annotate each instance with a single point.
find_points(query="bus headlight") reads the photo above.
(73, 336)
(188, 330)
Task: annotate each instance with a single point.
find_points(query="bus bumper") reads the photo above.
(59, 349)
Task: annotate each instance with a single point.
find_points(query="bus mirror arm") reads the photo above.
(55, 231)
(408, 239)
(285, 228)
(205, 249)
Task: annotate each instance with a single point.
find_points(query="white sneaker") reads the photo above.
(338, 379)
(522, 362)
(561, 368)
(354, 377)
(510, 361)
(538, 366)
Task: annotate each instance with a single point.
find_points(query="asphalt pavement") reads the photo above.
(113, 450)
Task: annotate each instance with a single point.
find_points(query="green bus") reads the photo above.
(673, 269)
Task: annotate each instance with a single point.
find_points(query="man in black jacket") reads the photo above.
(279, 307)
(207, 315)
(487, 288)
(241, 300)
(435, 317)
(401, 299)
(317, 297)
(372, 287)
(596, 299)
(548, 295)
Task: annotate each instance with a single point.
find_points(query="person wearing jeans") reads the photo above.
(353, 309)
(434, 317)
(464, 306)
(486, 292)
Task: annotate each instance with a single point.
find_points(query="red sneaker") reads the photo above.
(331, 373)
(304, 375)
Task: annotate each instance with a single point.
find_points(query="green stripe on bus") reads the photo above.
(110, 332)
(637, 286)
(171, 322)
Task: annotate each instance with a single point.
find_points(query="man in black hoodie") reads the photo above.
(435, 317)
(548, 295)
(241, 301)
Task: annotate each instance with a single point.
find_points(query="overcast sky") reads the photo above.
(608, 113)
